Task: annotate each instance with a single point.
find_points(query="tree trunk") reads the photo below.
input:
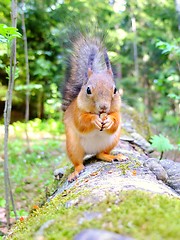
(27, 75)
(177, 4)
(7, 117)
(40, 105)
(135, 50)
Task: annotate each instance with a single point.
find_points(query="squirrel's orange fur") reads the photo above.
(92, 119)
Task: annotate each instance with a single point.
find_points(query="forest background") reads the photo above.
(143, 45)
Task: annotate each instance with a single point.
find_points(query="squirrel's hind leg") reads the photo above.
(73, 176)
(76, 155)
(109, 158)
(77, 160)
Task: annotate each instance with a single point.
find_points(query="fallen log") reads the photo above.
(133, 199)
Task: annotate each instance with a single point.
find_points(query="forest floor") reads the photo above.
(31, 171)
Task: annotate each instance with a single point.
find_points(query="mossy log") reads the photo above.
(129, 199)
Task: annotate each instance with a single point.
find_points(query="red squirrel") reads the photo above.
(91, 103)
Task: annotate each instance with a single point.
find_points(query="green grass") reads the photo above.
(31, 173)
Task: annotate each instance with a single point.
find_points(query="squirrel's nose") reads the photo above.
(103, 108)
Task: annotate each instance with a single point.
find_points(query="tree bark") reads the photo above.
(135, 50)
(177, 4)
(7, 117)
(27, 75)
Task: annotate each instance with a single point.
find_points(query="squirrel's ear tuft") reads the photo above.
(108, 64)
(90, 72)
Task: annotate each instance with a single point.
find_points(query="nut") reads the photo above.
(103, 116)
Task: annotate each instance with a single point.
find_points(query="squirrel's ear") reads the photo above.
(90, 72)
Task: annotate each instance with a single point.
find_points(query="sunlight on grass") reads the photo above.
(36, 128)
(32, 172)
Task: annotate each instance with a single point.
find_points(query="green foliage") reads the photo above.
(167, 85)
(20, 212)
(30, 87)
(168, 48)
(161, 143)
(49, 126)
(2, 202)
(8, 73)
(7, 34)
(174, 96)
(52, 105)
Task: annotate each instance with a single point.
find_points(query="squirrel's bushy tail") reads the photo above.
(86, 52)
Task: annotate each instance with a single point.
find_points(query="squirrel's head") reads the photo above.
(99, 94)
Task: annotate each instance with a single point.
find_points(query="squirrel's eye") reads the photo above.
(115, 90)
(88, 90)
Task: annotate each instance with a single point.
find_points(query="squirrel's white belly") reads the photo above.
(96, 141)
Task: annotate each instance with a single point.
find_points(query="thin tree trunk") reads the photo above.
(40, 105)
(147, 96)
(177, 4)
(27, 75)
(7, 116)
(135, 50)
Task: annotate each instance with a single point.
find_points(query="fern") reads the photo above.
(161, 144)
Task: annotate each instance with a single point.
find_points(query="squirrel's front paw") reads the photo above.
(107, 124)
(98, 122)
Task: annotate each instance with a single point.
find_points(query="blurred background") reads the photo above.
(143, 43)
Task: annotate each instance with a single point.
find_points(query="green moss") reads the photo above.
(135, 213)
(130, 165)
(145, 216)
(124, 167)
(140, 122)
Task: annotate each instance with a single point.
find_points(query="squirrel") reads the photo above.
(91, 103)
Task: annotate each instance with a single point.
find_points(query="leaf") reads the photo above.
(30, 87)
(174, 96)
(8, 33)
(16, 72)
(161, 143)
(166, 47)
(3, 39)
